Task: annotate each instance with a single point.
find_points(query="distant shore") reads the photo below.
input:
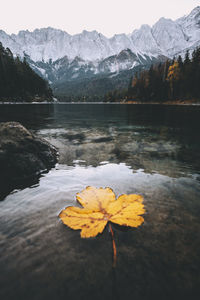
(176, 102)
(173, 102)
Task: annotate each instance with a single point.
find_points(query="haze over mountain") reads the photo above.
(62, 58)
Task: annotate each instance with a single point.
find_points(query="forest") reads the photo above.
(176, 79)
(18, 82)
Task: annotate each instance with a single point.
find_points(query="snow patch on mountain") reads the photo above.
(191, 25)
(145, 41)
(169, 36)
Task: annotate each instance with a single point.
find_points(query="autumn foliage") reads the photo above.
(171, 80)
(100, 207)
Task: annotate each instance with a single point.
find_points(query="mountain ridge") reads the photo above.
(60, 57)
(166, 37)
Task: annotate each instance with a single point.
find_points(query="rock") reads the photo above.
(23, 156)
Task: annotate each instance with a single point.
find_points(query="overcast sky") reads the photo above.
(105, 16)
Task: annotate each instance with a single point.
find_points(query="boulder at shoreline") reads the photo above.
(23, 156)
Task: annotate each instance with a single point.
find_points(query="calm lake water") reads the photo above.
(146, 149)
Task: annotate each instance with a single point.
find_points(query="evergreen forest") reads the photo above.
(177, 79)
(18, 82)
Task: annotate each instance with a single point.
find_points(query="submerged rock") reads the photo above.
(23, 156)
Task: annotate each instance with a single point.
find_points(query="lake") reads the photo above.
(152, 150)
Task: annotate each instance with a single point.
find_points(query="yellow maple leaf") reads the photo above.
(99, 207)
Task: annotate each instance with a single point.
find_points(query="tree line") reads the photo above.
(176, 79)
(18, 82)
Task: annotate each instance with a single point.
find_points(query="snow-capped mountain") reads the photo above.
(166, 37)
(66, 69)
(59, 56)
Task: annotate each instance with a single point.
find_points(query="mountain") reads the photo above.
(63, 58)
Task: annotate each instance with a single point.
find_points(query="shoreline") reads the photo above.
(181, 103)
(174, 102)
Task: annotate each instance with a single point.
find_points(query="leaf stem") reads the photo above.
(114, 246)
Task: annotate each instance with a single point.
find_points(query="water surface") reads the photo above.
(146, 149)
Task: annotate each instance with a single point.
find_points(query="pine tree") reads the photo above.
(18, 81)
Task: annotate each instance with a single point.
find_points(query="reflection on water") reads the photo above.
(132, 145)
(150, 150)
